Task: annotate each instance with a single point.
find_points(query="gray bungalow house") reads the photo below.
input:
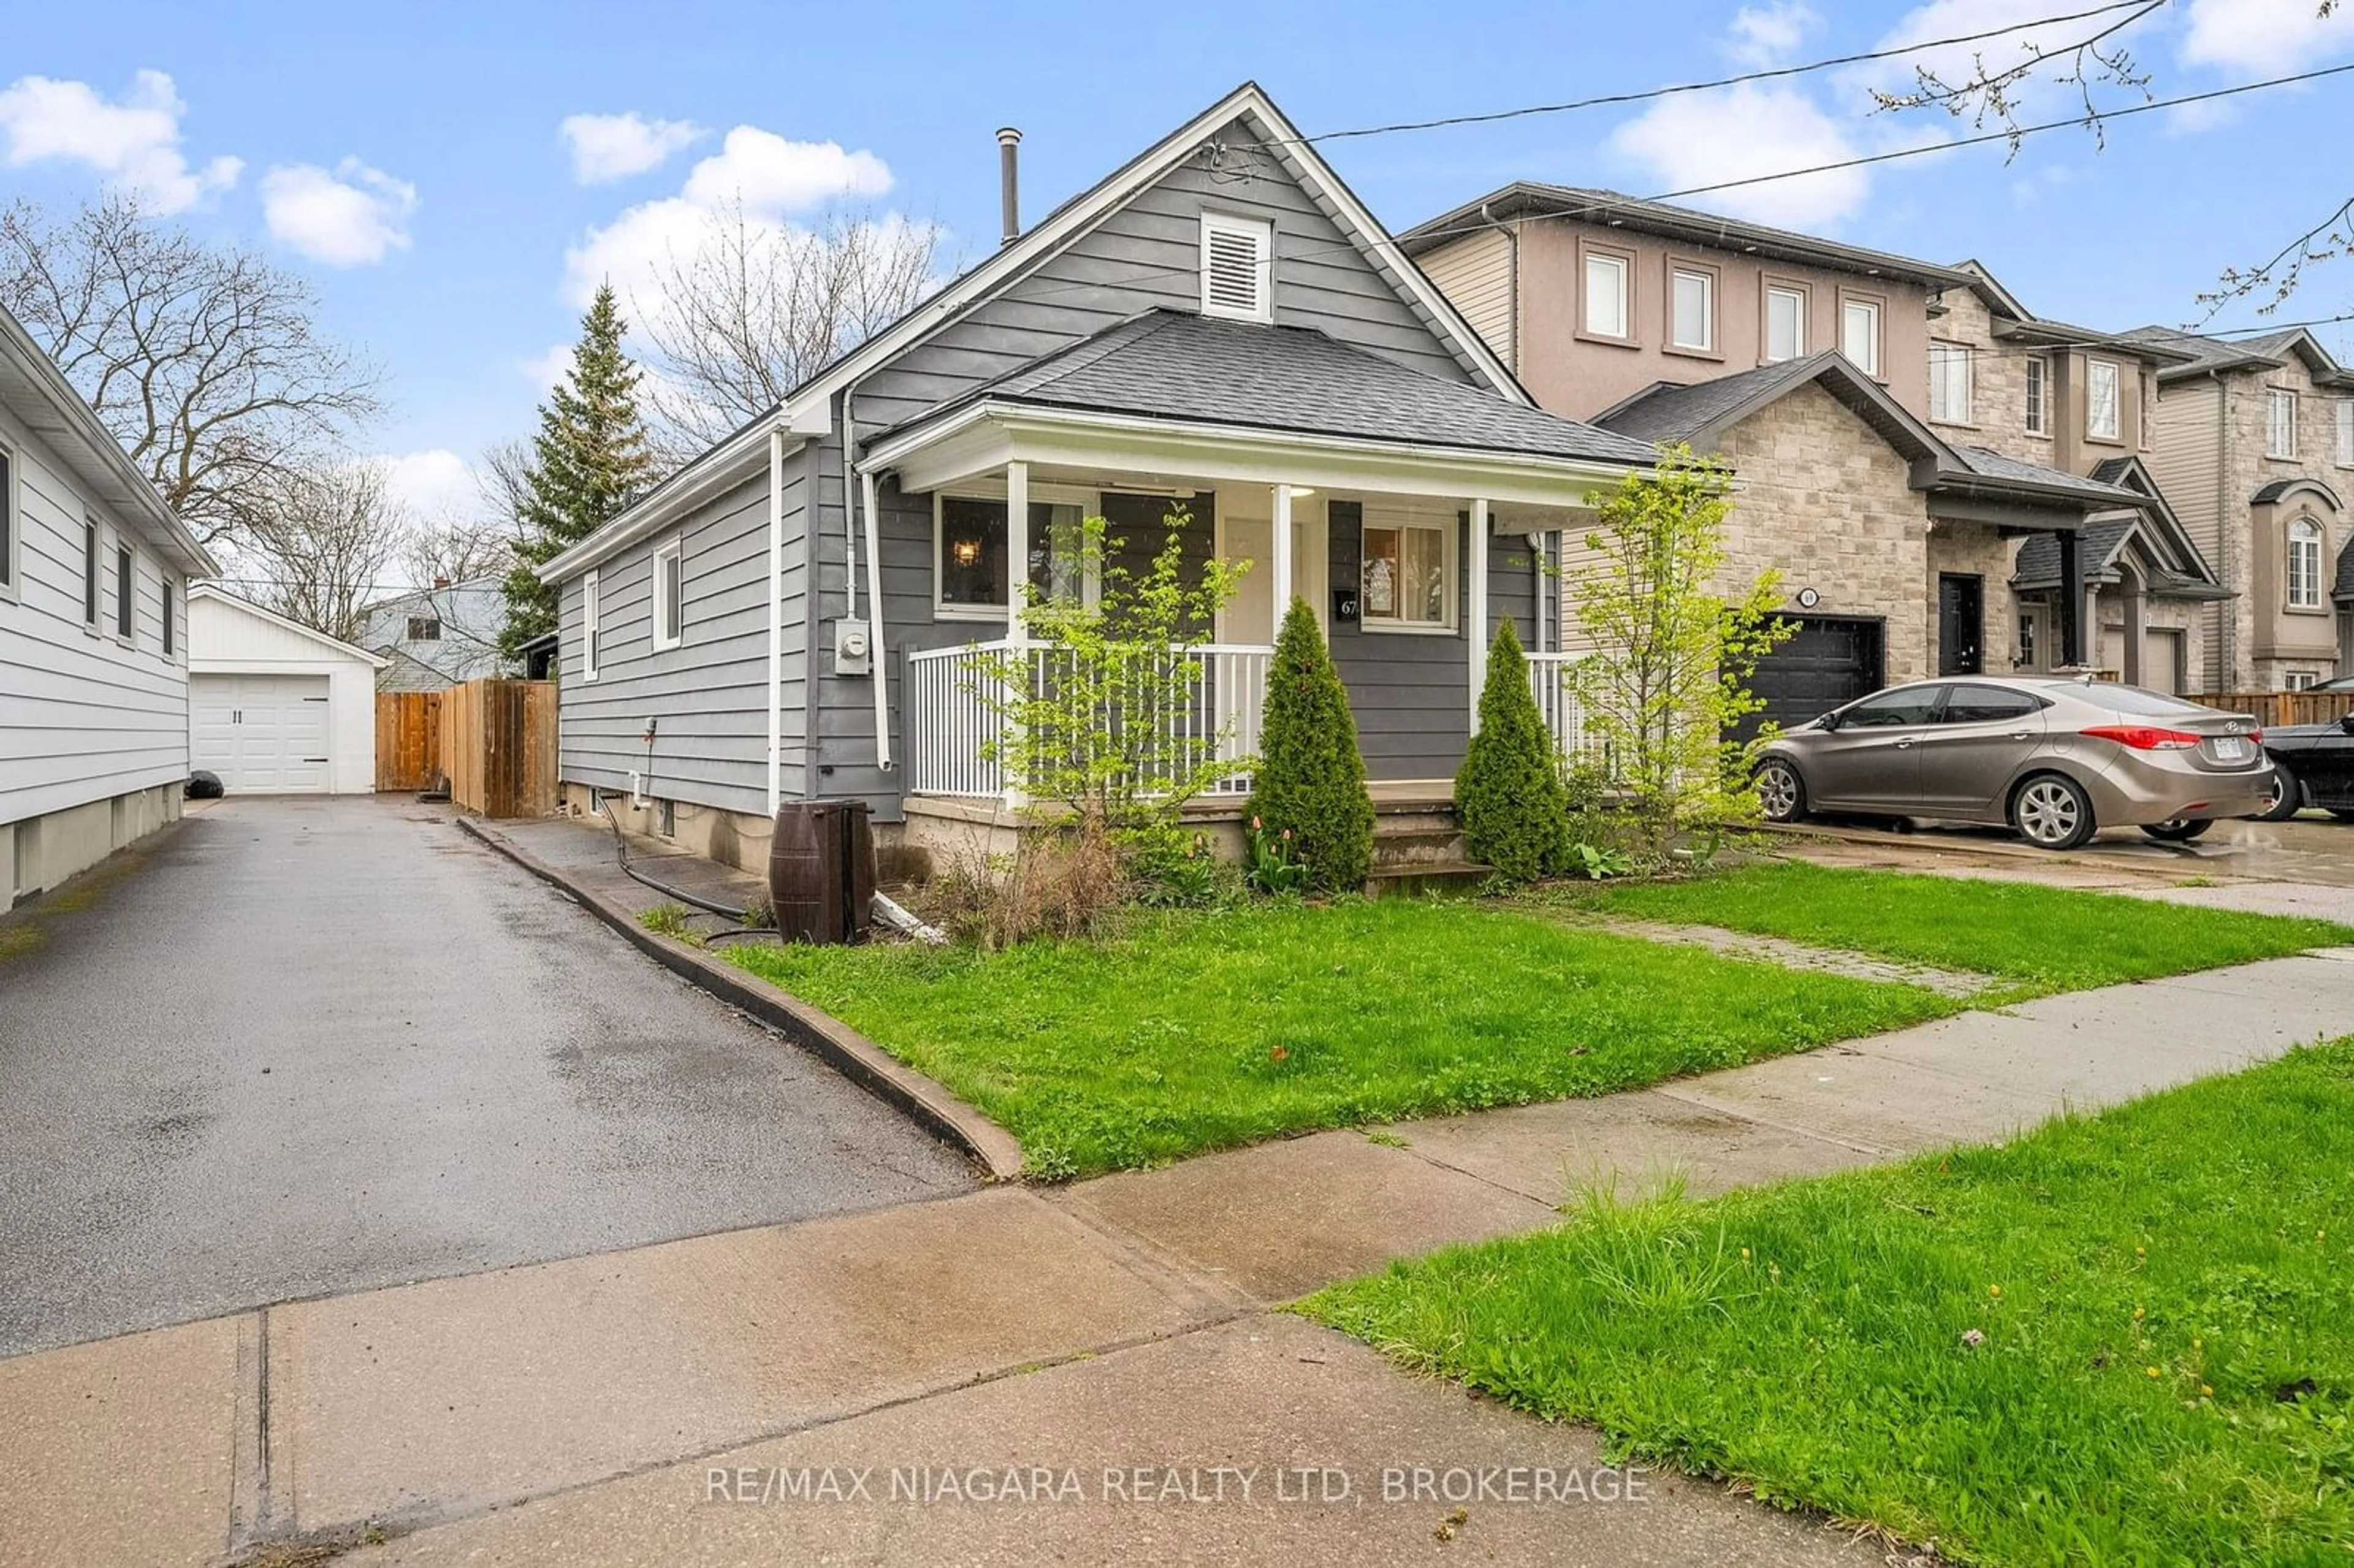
(1219, 325)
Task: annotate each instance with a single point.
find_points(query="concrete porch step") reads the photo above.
(1414, 878)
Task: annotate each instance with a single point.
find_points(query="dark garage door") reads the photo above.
(1831, 661)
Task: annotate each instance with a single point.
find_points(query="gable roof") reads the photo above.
(2013, 320)
(2101, 547)
(1176, 364)
(2268, 351)
(806, 411)
(198, 592)
(1534, 198)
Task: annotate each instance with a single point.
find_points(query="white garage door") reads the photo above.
(264, 734)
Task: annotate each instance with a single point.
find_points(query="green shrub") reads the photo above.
(1310, 778)
(1509, 794)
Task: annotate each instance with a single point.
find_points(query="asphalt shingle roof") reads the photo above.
(1175, 364)
(1670, 412)
(2343, 588)
(1990, 464)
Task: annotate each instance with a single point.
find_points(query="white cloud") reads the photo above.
(758, 173)
(2264, 36)
(1699, 139)
(133, 144)
(1767, 36)
(350, 217)
(433, 483)
(544, 370)
(615, 146)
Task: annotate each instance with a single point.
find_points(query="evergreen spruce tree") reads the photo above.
(591, 457)
(1509, 795)
(1311, 777)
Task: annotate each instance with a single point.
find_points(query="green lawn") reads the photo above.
(2045, 938)
(1200, 1030)
(2165, 1296)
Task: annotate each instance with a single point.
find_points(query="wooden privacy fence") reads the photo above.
(498, 747)
(408, 740)
(2271, 709)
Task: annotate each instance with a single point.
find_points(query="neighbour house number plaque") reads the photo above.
(1808, 599)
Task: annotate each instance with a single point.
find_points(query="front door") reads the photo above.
(1961, 623)
(2034, 637)
(1247, 533)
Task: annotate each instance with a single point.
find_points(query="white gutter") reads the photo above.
(775, 618)
(874, 650)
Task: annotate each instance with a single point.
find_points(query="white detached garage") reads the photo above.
(275, 709)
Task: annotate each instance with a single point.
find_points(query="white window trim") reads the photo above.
(12, 551)
(2303, 533)
(1088, 502)
(588, 616)
(2298, 679)
(2037, 414)
(124, 553)
(2116, 430)
(1373, 514)
(1706, 279)
(170, 595)
(2343, 416)
(1799, 349)
(93, 582)
(1626, 291)
(1969, 384)
(1872, 366)
(1261, 234)
(667, 635)
(2277, 396)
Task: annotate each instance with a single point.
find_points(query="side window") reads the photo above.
(1986, 705)
(1892, 710)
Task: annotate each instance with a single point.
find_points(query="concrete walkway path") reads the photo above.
(703, 1400)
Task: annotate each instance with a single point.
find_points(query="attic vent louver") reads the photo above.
(1236, 270)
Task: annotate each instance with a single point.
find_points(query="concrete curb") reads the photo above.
(850, 1052)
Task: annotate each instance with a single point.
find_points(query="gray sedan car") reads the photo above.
(2057, 760)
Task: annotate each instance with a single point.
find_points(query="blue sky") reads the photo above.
(412, 160)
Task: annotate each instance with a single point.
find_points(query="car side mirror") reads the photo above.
(2346, 722)
(1831, 721)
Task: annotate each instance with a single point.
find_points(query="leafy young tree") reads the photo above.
(1667, 682)
(1310, 778)
(203, 361)
(589, 459)
(1509, 793)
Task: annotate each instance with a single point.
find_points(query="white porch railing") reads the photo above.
(1549, 683)
(953, 721)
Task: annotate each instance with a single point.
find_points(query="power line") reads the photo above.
(1603, 101)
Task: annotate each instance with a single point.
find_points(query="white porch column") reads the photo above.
(1279, 550)
(1017, 598)
(1476, 569)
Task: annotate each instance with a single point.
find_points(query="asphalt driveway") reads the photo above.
(311, 1046)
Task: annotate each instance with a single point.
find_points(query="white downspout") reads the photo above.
(849, 509)
(775, 618)
(876, 659)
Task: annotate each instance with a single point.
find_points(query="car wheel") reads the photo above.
(2180, 831)
(1781, 793)
(2288, 794)
(2053, 811)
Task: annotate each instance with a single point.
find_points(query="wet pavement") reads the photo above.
(2313, 848)
(315, 1046)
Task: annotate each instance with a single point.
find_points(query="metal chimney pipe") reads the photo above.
(1009, 182)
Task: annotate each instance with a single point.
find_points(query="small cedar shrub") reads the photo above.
(1310, 775)
(1509, 795)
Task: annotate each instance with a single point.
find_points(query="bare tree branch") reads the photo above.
(320, 541)
(1993, 96)
(203, 362)
(455, 549)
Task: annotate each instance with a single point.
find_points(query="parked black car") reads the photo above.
(2313, 765)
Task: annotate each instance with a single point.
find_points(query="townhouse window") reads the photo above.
(1606, 295)
(1860, 333)
(1409, 572)
(588, 627)
(1949, 383)
(93, 565)
(1693, 321)
(2101, 400)
(2280, 423)
(2039, 420)
(971, 553)
(670, 595)
(170, 611)
(2345, 412)
(1237, 267)
(1786, 324)
(425, 628)
(126, 584)
(7, 526)
(2302, 680)
(2305, 564)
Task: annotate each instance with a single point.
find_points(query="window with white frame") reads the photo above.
(588, 627)
(1693, 305)
(2280, 423)
(126, 592)
(1860, 333)
(171, 598)
(1606, 295)
(1949, 383)
(1237, 267)
(2038, 397)
(2301, 680)
(2346, 432)
(670, 595)
(971, 552)
(1408, 578)
(7, 525)
(93, 569)
(425, 628)
(2101, 400)
(2305, 564)
(1786, 323)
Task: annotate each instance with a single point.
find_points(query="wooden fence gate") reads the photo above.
(408, 740)
(498, 747)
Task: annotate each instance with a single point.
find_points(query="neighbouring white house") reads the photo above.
(93, 633)
(274, 707)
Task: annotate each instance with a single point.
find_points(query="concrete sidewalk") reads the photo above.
(574, 1410)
